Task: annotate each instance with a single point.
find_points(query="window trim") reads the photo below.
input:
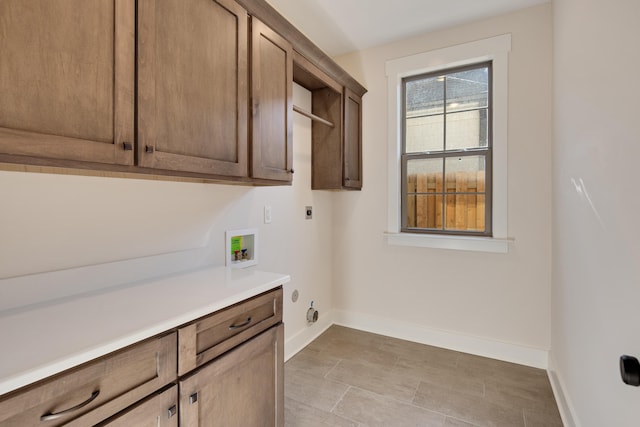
(486, 152)
(496, 50)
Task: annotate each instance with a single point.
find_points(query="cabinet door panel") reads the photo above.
(242, 388)
(66, 79)
(352, 140)
(192, 80)
(159, 411)
(272, 94)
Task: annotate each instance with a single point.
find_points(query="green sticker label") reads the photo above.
(236, 244)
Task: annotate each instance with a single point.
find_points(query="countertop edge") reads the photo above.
(18, 380)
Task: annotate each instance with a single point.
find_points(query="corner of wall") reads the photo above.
(564, 404)
(304, 337)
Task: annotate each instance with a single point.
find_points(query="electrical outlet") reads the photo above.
(267, 214)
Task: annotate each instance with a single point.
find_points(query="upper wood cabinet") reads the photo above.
(272, 104)
(192, 86)
(336, 131)
(352, 148)
(195, 89)
(67, 81)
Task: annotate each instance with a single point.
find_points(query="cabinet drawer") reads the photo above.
(209, 337)
(96, 390)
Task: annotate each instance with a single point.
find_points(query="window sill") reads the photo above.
(461, 243)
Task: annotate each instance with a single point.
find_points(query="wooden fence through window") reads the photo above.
(425, 195)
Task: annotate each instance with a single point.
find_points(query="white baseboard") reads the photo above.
(411, 332)
(301, 339)
(564, 405)
(468, 344)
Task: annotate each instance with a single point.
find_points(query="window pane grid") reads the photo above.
(446, 159)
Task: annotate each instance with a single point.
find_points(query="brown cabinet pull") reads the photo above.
(127, 146)
(172, 411)
(52, 416)
(149, 149)
(241, 325)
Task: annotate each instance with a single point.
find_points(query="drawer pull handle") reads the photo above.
(241, 325)
(172, 411)
(193, 398)
(53, 416)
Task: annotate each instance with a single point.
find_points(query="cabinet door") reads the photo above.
(352, 174)
(159, 411)
(192, 86)
(272, 98)
(242, 388)
(67, 81)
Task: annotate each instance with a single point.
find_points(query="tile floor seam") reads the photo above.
(326, 375)
(416, 404)
(410, 403)
(340, 400)
(462, 420)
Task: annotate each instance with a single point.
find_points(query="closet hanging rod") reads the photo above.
(312, 116)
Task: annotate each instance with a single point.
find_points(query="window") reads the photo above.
(419, 154)
(446, 151)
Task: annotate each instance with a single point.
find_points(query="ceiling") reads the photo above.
(342, 26)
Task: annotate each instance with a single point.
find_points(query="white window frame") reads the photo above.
(495, 49)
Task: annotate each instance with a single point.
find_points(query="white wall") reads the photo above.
(596, 241)
(496, 298)
(52, 222)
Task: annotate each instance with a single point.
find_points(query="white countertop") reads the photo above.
(50, 338)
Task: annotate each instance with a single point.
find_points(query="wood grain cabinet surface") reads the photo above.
(67, 81)
(242, 388)
(336, 140)
(95, 391)
(223, 369)
(186, 89)
(352, 175)
(192, 86)
(272, 99)
(160, 410)
(205, 339)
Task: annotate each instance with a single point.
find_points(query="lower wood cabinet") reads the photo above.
(231, 374)
(244, 387)
(93, 392)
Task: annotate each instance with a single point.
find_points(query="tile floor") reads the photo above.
(348, 377)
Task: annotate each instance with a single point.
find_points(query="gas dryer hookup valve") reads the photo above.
(312, 314)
